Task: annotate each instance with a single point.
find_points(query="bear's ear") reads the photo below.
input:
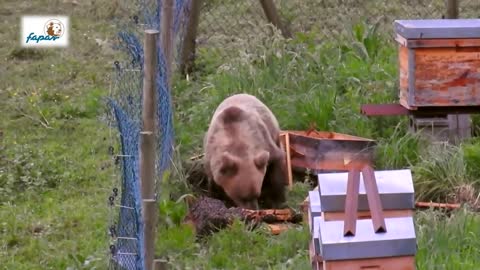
(228, 164)
(232, 114)
(261, 159)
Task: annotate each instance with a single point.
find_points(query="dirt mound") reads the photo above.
(209, 215)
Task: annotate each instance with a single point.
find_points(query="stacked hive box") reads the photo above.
(393, 249)
(439, 68)
(438, 62)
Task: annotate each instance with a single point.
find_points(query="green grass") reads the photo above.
(56, 173)
(448, 242)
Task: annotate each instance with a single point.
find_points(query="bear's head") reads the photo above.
(241, 177)
(54, 29)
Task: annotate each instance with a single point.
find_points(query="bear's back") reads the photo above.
(253, 106)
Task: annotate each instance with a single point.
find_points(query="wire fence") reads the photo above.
(125, 104)
(228, 26)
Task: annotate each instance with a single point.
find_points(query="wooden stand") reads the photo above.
(452, 128)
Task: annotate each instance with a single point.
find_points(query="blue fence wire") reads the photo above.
(128, 251)
(125, 104)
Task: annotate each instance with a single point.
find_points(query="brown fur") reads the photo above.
(243, 159)
(50, 30)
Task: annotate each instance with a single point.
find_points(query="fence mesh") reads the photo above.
(125, 103)
(226, 26)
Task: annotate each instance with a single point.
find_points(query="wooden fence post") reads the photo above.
(452, 9)
(272, 16)
(147, 145)
(159, 265)
(167, 36)
(189, 39)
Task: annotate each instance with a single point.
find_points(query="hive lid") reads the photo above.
(395, 188)
(438, 28)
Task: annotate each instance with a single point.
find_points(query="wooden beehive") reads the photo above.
(439, 62)
(399, 239)
(394, 248)
(391, 263)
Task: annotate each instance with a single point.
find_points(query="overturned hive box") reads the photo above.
(439, 62)
(330, 151)
(395, 188)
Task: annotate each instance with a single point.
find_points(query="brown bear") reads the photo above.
(243, 158)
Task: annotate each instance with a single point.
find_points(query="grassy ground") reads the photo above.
(56, 174)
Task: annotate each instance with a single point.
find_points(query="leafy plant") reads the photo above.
(471, 153)
(399, 151)
(440, 170)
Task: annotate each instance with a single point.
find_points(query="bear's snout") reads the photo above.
(252, 204)
(248, 201)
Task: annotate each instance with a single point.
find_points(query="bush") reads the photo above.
(440, 171)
